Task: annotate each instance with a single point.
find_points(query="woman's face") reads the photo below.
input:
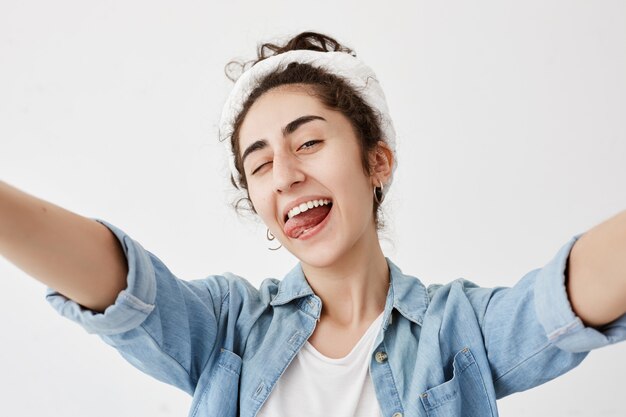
(295, 153)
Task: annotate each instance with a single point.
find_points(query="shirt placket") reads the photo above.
(384, 383)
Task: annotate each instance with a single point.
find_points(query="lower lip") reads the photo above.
(316, 229)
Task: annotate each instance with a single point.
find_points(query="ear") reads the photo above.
(381, 163)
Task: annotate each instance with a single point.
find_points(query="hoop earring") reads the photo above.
(269, 236)
(379, 195)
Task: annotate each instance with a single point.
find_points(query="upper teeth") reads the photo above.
(305, 206)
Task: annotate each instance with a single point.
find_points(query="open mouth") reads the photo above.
(306, 217)
(306, 206)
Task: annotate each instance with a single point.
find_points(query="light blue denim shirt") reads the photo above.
(443, 350)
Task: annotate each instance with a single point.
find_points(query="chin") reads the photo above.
(317, 258)
(333, 247)
(324, 256)
(318, 263)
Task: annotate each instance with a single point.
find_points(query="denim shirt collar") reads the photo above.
(406, 294)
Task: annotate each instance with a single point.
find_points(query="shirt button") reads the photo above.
(397, 415)
(380, 358)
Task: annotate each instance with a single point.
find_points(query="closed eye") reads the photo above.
(260, 166)
(306, 145)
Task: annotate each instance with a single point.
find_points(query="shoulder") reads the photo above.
(236, 288)
(460, 287)
(460, 294)
(459, 284)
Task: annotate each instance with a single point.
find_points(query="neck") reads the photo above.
(353, 289)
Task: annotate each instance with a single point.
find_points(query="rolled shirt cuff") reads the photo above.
(554, 310)
(132, 305)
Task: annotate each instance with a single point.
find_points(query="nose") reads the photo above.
(286, 171)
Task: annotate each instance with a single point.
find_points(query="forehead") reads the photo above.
(275, 109)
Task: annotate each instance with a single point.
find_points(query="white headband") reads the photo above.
(351, 69)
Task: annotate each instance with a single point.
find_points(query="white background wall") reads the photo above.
(511, 123)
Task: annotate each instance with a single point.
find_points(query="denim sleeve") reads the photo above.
(563, 328)
(164, 326)
(530, 331)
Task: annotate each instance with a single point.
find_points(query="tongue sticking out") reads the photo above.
(303, 221)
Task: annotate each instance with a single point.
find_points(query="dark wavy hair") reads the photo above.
(332, 91)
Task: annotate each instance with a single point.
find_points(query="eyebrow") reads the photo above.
(288, 129)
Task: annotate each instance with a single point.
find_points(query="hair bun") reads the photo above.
(311, 41)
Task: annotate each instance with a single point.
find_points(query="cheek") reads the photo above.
(260, 203)
(351, 175)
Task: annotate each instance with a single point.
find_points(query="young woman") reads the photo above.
(346, 332)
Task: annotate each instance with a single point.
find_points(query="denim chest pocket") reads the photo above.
(463, 395)
(221, 395)
(230, 362)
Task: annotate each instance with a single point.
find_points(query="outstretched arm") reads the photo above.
(77, 256)
(596, 273)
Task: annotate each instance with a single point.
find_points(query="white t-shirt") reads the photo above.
(318, 386)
